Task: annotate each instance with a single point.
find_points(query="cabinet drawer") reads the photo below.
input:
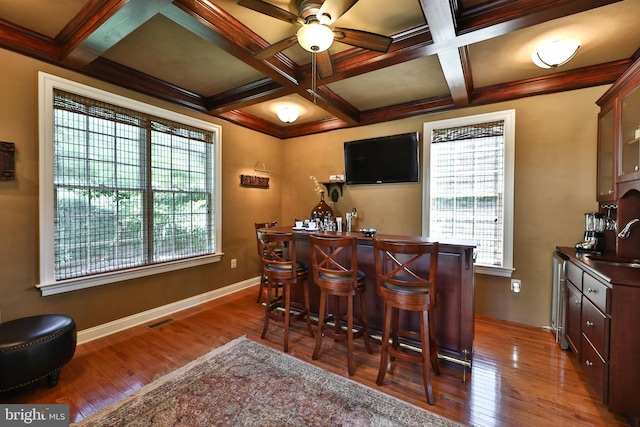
(595, 326)
(595, 368)
(597, 292)
(574, 302)
(574, 274)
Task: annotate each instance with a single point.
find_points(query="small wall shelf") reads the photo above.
(331, 184)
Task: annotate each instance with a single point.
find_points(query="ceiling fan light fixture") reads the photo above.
(288, 114)
(555, 53)
(315, 37)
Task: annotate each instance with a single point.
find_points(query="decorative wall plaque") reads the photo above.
(7, 161)
(254, 181)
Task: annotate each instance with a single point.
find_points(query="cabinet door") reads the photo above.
(630, 134)
(606, 145)
(574, 309)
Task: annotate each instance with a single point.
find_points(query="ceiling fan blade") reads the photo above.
(324, 64)
(277, 47)
(334, 9)
(269, 9)
(363, 39)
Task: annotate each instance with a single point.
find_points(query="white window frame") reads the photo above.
(48, 284)
(509, 118)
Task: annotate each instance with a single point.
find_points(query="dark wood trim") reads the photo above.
(249, 94)
(580, 78)
(27, 42)
(109, 71)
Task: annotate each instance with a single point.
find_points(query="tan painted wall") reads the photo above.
(555, 185)
(555, 175)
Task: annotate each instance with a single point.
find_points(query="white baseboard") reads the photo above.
(109, 328)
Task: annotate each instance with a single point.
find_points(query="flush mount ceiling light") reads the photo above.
(315, 37)
(555, 53)
(288, 114)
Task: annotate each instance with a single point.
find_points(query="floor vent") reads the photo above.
(160, 323)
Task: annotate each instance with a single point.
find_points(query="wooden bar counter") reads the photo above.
(455, 290)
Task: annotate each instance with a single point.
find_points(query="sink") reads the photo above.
(618, 262)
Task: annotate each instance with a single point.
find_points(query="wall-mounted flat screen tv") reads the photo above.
(382, 160)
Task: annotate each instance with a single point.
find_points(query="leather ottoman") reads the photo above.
(35, 347)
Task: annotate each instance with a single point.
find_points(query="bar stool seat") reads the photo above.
(404, 286)
(335, 271)
(281, 274)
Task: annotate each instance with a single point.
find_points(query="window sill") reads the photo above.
(58, 287)
(494, 271)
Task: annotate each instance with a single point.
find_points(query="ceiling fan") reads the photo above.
(314, 34)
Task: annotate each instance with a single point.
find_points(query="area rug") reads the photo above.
(244, 383)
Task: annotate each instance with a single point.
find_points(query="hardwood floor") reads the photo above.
(519, 377)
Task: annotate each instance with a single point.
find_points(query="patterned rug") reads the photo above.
(244, 383)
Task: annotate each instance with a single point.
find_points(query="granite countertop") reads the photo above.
(612, 274)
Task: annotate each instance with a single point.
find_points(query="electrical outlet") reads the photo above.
(516, 285)
(234, 263)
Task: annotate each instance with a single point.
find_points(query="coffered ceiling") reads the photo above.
(445, 54)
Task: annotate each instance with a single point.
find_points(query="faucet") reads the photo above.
(624, 234)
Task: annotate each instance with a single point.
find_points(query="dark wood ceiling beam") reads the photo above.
(215, 25)
(252, 122)
(246, 95)
(332, 103)
(408, 45)
(500, 17)
(441, 21)
(101, 24)
(28, 42)
(580, 78)
(126, 77)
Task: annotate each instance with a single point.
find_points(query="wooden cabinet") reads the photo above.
(619, 135)
(603, 329)
(606, 149)
(630, 131)
(574, 307)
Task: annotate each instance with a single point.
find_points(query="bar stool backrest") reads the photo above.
(260, 225)
(279, 265)
(334, 259)
(399, 264)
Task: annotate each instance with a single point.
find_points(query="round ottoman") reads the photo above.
(35, 347)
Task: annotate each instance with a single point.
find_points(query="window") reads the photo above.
(468, 190)
(127, 189)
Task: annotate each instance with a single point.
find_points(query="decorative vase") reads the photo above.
(322, 210)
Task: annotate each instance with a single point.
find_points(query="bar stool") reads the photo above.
(263, 278)
(335, 270)
(283, 272)
(403, 286)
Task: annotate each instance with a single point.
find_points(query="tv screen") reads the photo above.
(382, 160)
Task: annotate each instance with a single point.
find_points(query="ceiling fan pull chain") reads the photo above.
(313, 76)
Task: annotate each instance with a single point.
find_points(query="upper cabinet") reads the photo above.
(619, 137)
(606, 158)
(630, 134)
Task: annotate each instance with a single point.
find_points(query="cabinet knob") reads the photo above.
(576, 302)
(610, 191)
(588, 363)
(589, 323)
(636, 167)
(592, 291)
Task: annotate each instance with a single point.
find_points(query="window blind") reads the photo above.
(130, 189)
(467, 187)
